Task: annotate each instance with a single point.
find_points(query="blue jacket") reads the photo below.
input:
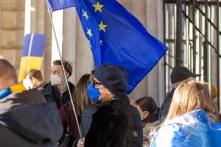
(193, 129)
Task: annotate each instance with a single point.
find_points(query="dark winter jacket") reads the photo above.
(52, 94)
(112, 125)
(86, 119)
(166, 105)
(137, 140)
(69, 121)
(27, 121)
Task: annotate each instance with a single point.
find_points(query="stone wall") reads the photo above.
(11, 30)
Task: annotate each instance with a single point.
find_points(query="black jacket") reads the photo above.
(137, 140)
(112, 125)
(166, 105)
(28, 121)
(52, 94)
(86, 119)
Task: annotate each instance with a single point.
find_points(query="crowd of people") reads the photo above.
(96, 111)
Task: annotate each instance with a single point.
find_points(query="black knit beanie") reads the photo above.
(181, 73)
(113, 77)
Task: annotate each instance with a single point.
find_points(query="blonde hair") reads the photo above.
(81, 99)
(190, 96)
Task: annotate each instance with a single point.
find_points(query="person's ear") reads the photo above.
(33, 80)
(67, 74)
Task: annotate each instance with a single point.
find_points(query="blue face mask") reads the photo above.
(93, 93)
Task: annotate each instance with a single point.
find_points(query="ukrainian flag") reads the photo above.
(32, 56)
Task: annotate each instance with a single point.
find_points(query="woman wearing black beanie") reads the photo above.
(112, 124)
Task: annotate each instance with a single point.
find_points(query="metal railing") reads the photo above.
(192, 33)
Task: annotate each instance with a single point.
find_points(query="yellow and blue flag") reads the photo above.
(117, 37)
(32, 53)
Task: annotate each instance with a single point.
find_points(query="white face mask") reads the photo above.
(28, 84)
(56, 80)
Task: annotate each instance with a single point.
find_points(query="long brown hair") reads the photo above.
(81, 99)
(190, 96)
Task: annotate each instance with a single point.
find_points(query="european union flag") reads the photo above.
(117, 37)
(61, 4)
(32, 53)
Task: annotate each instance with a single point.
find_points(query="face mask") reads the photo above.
(28, 84)
(93, 93)
(56, 80)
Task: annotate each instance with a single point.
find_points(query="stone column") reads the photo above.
(69, 40)
(155, 27)
(11, 30)
(1, 56)
(40, 16)
(48, 49)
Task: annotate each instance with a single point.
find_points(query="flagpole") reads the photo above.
(66, 80)
(29, 51)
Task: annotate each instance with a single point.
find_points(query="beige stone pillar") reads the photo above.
(34, 13)
(40, 16)
(1, 56)
(11, 30)
(155, 27)
(48, 49)
(69, 39)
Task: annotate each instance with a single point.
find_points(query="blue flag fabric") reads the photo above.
(61, 4)
(32, 53)
(117, 37)
(37, 45)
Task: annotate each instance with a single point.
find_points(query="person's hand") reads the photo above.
(80, 143)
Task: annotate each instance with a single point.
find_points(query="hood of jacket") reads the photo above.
(31, 118)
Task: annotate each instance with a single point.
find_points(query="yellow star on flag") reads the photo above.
(102, 27)
(89, 32)
(98, 7)
(85, 14)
